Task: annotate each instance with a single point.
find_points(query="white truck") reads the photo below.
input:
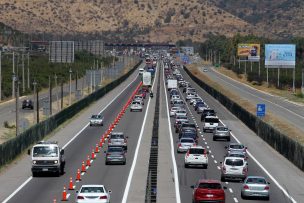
(147, 79)
(172, 84)
(47, 157)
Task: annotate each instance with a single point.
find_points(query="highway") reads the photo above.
(287, 111)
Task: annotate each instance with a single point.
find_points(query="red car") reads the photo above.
(208, 190)
(142, 93)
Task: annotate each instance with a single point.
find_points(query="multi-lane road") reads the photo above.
(78, 139)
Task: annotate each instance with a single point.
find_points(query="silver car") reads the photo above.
(221, 132)
(181, 112)
(184, 144)
(255, 187)
(115, 155)
(190, 95)
(96, 120)
(173, 110)
(136, 106)
(236, 147)
(118, 139)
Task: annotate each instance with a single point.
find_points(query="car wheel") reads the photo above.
(204, 130)
(223, 179)
(90, 124)
(102, 124)
(242, 196)
(228, 139)
(34, 174)
(214, 139)
(267, 198)
(107, 163)
(124, 163)
(206, 166)
(57, 174)
(186, 166)
(130, 110)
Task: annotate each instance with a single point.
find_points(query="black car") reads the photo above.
(207, 112)
(27, 104)
(198, 104)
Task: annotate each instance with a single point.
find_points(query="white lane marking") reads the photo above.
(265, 171)
(82, 173)
(176, 181)
(226, 183)
(219, 168)
(30, 178)
(215, 161)
(212, 156)
(130, 176)
(204, 139)
(68, 196)
(210, 151)
(230, 190)
(208, 147)
(235, 200)
(206, 143)
(18, 189)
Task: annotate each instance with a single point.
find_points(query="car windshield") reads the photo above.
(200, 104)
(115, 149)
(92, 190)
(236, 146)
(210, 186)
(180, 111)
(178, 102)
(209, 111)
(117, 136)
(187, 141)
(136, 103)
(256, 181)
(96, 117)
(234, 162)
(211, 120)
(45, 151)
(196, 151)
(222, 129)
(236, 155)
(182, 117)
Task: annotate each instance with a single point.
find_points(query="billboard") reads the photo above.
(280, 55)
(249, 51)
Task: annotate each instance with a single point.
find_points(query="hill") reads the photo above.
(155, 20)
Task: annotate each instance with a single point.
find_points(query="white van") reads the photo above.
(210, 123)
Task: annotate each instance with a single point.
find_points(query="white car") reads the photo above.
(181, 112)
(210, 123)
(196, 156)
(93, 194)
(234, 168)
(141, 71)
(173, 110)
(184, 144)
(136, 106)
(174, 97)
(96, 120)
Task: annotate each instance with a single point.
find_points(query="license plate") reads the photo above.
(45, 169)
(209, 195)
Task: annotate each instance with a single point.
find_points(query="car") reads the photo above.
(139, 98)
(173, 110)
(184, 144)
(190, 90)
(221, 132)
(237, 154)
(141, 71)
(187, 126)
(197, 100)
(201, 108)
(188, 133)
(234, 168)
(194, 99)
(236, 147)
(136, 106)
(118, 139)
(190, 95)
(207, 112)
(198, 104)
(255, 187)
(178, 103)
(205, 70)
(173, 92)
(196, 156)
(179, 120)
(208, 191)
(181, 112)
(210, 123)
(96, 120)
(93, 193)
(142, 93)
(115, 155)
(27, 104)
(174, 97)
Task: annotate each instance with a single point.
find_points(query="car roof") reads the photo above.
(211, 117)
(117, 133)
(92, 185)
(235, 143)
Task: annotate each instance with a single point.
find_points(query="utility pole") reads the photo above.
(56, 86)
(70, 91)
(23, 75)
(15, 80)
(61, 95)
(50, 95)
(0, 77)
(35, 101)
(28, 70)
(37, 105)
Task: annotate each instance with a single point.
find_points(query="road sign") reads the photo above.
(261, 110)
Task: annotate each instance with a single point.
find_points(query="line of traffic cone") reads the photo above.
(93, 155)
(96, 149)
(64, 195)
(88, 164)
(71, 186)
(78, 176)
(83, 168)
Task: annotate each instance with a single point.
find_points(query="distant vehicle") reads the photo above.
(221, 132)
(27, 104)
(205, 70)
(172, 84)
(173, 110)
(234, 168)
(96, 120)
(174, 97)
(47, 157)
(118, 139)
(93, 193)
(255, 187)
(210, 123)
(147, 79)
(190, 95)
(181, 112)
(195, 99)
(208, 191)
(115, 155)
(196, 156)
(236, 147)
(187, 126)
(141, 71)
(136, 106)
(142, 92)
(201, 107)
(188, 133)
(184, 144)
(180, 120)
(190, 90)
(178, 103)
(207, 112)
(237, 154)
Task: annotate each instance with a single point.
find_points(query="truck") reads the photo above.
(172, 84)
(47, 157)
(146, 79)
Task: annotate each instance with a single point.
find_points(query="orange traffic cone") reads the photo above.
(83, 167)
(96, 149)
(64, 195)
(100, 142)
(71, 186)
(78, 176)
(88, 161)
(93, 154)
(54, 201)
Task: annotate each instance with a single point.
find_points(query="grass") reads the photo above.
(280, 124)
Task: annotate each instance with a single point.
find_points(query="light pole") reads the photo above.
(13, 82)
(16, 85)
(35, 102)
(28, 70)
(0, 77)
(57, 99)
(70, 92)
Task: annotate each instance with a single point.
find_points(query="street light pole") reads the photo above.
(35, 101)
(15, 80)
(0, 77)
(28, 70)
(23, 74)
(70, 92)
(57, 99)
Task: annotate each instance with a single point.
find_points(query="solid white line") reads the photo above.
(30, 178)
(130, 176)
(230, 190)
(235, 200)
(176, 181)
(18, 189)
(265, 171)
(68, 195)
(208, 147)
(219, 168)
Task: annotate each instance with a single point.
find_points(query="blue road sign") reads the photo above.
(261, 110)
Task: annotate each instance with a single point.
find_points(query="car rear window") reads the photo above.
(237, 155)
(211, 120)
(234, 162)
(92, 190)
(256, 180)
(115, 149)
(237, 146)
(210, 186)
(187, 141)
(197, 151)
(116, 136)
(222, 129)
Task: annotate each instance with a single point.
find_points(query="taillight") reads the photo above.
(80, 197)
(187, 153)
(266, 187)
(103, 197)
(224, 168)
(179, 145)
(108, 154)
(246, 187)
(125, 140)
(109, 140)
(244, 170)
